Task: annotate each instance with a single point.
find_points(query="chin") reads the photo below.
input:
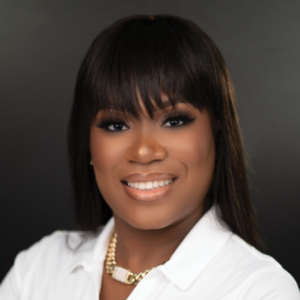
(149, 221)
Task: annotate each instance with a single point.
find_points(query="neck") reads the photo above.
(138, 250)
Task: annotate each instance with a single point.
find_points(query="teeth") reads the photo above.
(150, 185)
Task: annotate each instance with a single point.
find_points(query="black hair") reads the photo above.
(154, 54)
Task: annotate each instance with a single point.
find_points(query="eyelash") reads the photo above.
(105, 122)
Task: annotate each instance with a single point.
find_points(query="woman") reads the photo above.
(154, 141)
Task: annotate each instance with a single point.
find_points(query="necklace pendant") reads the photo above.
(123, 275)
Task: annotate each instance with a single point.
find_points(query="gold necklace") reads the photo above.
(119, 273)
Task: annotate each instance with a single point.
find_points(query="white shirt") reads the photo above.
(211, 263)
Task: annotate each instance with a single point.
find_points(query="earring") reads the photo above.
(91, 162)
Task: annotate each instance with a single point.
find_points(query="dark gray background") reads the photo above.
(42, 44)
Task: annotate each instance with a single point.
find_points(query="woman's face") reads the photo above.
(154, 173)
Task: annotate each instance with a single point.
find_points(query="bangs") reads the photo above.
(149, 56)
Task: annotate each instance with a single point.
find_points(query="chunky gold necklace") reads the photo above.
(119, 273)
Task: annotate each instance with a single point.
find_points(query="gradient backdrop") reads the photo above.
(42, 44)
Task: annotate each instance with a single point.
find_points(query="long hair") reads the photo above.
(159, 54)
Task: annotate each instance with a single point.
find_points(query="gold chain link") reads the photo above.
(111, 264)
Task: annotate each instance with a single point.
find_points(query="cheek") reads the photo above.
(201, 161)
(202, 151)
(106, 151)
(195, 149)
(201, 158)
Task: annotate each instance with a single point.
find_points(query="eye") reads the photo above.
(174, 122)
(112, 125)
(116, 127)
(178, 119)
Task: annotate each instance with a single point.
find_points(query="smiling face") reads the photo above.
(154, 173)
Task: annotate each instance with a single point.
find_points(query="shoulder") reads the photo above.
(52, 255)
(60, 247)
(259, 276)
(270, 284)
(249, 257)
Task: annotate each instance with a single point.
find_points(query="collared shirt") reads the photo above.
(211, 263)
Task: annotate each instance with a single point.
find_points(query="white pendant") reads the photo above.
(120, 274)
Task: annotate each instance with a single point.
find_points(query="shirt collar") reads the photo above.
(197, 250)
(91, 254)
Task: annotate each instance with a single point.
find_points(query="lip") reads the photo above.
(148, 196)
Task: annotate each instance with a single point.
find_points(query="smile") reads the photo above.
(148, 191)
(149, 185)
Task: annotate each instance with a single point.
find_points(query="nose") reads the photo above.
(145, 149)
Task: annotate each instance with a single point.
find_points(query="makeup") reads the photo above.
(171, 119)
(148, 195)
